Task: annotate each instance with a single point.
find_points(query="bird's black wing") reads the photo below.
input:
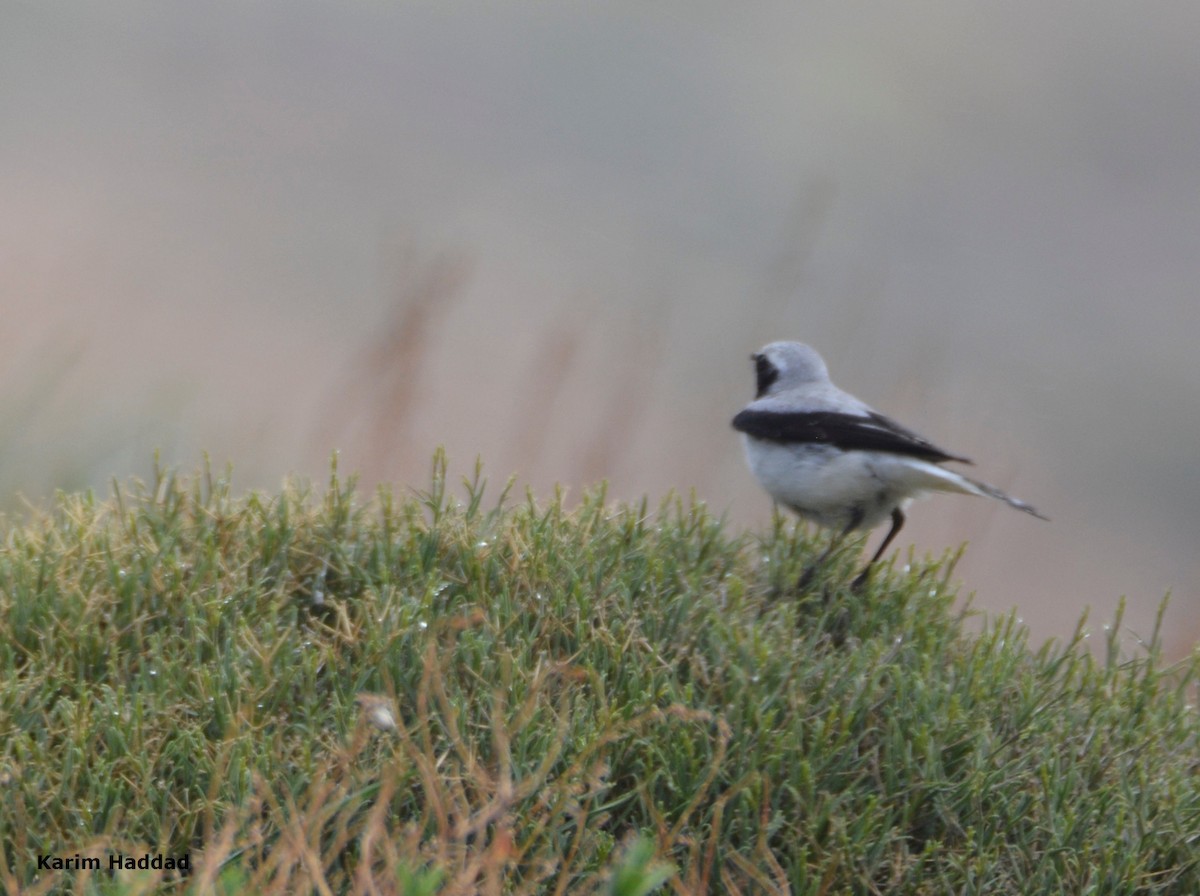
(850, 432)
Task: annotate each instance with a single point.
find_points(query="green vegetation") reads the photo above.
(611, 699)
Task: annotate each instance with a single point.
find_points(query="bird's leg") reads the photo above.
(810, 570)
(897, 523)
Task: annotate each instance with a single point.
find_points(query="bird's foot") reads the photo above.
(806, 577)
(861, 579)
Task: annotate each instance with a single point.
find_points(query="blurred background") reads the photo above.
(550, 235)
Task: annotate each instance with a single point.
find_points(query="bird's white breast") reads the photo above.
(825, 484)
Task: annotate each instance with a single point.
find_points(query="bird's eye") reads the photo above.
(766, 374)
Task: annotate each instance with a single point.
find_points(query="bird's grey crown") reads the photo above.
(786, 365)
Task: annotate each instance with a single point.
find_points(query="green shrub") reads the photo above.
(603, 699)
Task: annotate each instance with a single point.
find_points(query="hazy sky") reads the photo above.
(213, 218)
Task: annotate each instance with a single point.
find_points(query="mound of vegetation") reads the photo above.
(441, 694)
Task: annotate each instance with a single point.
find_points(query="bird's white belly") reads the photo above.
(829, 486)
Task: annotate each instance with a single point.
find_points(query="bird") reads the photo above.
(836, 461)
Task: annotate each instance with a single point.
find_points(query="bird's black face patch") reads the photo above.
(765, 374)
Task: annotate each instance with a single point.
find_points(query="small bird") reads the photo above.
(834, 460)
